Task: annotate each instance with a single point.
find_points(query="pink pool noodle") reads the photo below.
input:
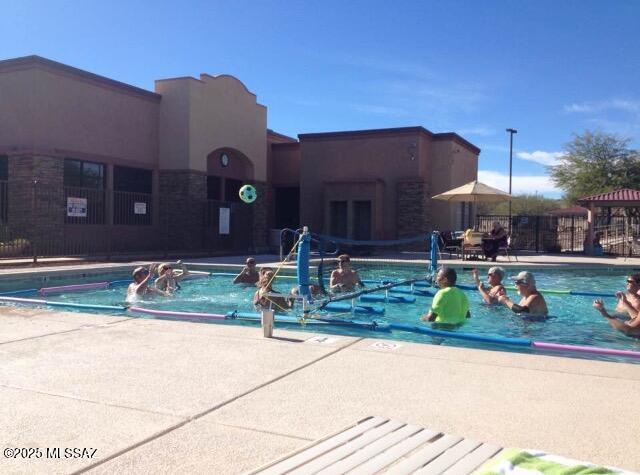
(21, 300)
(74, 288)
(170, 313)
(586, 349)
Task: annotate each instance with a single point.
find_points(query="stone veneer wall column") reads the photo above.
(36, 201)
(413, 213)
(183, 197)
(260, 217)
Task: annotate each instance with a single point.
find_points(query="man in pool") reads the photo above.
(630, 305)
(532, 302)
(494, 279)
(630, 328)
(450, 305)
(139, 288)
(344, 278)
(249, 274)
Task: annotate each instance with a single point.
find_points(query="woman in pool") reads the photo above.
(139, 289)
(494, 279)
(631, 327)
(168, 280)
(262, 298)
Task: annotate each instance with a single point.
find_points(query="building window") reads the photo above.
(214, 187)
(132, 193)
(83, 174)
(84, 184)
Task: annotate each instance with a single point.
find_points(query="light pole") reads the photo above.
(511, 132)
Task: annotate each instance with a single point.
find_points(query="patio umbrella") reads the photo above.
(474, 192)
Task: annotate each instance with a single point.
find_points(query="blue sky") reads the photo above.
(546, 68)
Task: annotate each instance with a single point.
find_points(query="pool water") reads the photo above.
(574, 320)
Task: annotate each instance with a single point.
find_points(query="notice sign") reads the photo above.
(225, 215)
(77, 207)
(139, 208)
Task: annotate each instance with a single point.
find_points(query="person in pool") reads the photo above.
(532, 302)
(450, 305)
(630, 328)
(630, 305)
(168, 280)
(344, 278)
(264, 298)
(248, 274)
(140, 288)
(494, 279)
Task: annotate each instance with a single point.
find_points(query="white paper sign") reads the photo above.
(77, 207)
(223, 225)
(139, 208)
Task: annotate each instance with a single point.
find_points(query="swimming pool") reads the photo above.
(574, 321)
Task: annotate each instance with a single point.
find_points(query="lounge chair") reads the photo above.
(382, 445)
(449, 244)
(509, 250)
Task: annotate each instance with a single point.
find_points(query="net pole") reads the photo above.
(433, 265)
(304, 245)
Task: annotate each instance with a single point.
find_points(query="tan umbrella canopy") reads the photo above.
(475, 192)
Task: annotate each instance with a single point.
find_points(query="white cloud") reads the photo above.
(541, 157)
(520, 183)
(589, 107)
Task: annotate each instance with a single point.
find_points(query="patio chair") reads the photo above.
(449, 245)
(472, 245)
(382, 445)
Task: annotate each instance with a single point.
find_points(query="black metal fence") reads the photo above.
(618, 235)
(44, 221)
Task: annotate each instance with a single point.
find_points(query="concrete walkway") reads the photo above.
(156, 396)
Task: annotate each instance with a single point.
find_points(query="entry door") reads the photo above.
(362, 220)
(338, 218)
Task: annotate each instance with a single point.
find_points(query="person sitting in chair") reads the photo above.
(497, 239)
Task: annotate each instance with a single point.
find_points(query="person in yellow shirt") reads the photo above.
(450, 304)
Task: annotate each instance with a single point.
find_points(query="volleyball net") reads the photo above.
(341, 274)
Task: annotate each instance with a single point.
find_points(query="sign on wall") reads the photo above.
(139, 208)
(77, 207)
(223, 226)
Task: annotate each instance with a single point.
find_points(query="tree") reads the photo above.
(524, 204)
(593, 163)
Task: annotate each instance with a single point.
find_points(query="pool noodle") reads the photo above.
(390, 299)
(170, 313)
(460, 335)
(86, 306)
(74, 288)
(21, 300)
(345, 307)
(20, 292)
(585, 349)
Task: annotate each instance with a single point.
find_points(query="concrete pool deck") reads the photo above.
(158, 396)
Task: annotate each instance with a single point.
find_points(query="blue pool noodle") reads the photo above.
(460, 335)
(20, 292)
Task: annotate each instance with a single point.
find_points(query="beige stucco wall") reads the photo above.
(199, 116)
(48, 110)
(452, 165)
(372, 157)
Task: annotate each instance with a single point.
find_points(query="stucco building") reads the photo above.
(92, 165)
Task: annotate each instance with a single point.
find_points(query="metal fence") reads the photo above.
(44, 221)
(618, 235)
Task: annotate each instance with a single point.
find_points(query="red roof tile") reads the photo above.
(625, 194)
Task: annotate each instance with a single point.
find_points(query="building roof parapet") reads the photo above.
(354, 134)
(35, 61)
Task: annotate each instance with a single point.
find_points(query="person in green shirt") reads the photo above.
(450, 305)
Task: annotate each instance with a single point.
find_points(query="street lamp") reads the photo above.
(511, 132)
